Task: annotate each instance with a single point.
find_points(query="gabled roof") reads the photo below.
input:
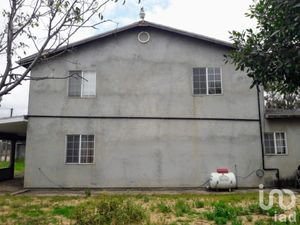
(27, 60)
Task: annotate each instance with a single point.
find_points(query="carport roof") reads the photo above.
(16, 125)
(282, 114)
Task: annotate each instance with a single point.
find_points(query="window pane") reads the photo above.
(91, 137)
(211, 85)
(281, 150)
(212, 91)
(72, 149)
(89, 83)
(202, 71)
(210, 71)
(214, 80)
(196, 78)
(218, 91)
(269, 143)
(75, 83)
(211, 77)
(196, 71)
(196, 91)
(87, 149)
(280, 143)
(199, 81)
(202, 91)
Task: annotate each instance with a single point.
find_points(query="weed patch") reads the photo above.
(181, 208)
(109, 211)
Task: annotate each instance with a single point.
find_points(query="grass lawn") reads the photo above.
(19, 166)
(139, 209)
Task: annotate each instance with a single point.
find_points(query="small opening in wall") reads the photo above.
(144, 37)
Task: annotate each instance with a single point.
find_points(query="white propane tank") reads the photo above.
(222, 179)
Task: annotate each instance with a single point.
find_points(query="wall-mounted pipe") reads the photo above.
(262, 141)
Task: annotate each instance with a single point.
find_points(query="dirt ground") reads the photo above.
(11, 186)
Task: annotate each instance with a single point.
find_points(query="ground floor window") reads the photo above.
(80, 148)
(275, 143)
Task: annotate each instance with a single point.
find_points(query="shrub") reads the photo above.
(66, 211)
(255, 208)
(223, 212)
(249, 218)
(163, 208)
(259, 222)
(182, 208)
(237, 222)
(87, 193)
(109, 211)
(220, 220)
(146, 199)
(199, 204)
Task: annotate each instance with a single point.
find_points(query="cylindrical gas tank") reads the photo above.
(222, 180)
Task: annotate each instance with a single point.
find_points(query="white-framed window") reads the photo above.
(207, 81)
(275, 143)
(80, 148)
(82, 83)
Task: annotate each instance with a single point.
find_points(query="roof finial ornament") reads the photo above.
(142, 14)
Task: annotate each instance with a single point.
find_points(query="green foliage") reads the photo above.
(32, 211)
(199, 204)
(259, 222)
(87, 193)
(220, 220)
(66, 211)
(146, 199)
(270, 55)
(249, 218)
(223, 212)
(4, 165)
(19, 166)
(109, 211)
(275, 100)
(163, 208)
(237, 222)
(181, 208)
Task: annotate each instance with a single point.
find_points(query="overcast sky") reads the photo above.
(213, 18)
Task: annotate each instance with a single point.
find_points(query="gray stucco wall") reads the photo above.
(141, 153)
(288, 163)
(147, 80)
(134, 79)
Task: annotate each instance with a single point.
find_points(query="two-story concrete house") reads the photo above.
(146, 106)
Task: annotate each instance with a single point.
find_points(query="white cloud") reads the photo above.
(208, 17)
(18, 100)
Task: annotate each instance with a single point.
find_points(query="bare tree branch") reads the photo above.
(61, 19)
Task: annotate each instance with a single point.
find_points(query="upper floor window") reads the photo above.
(80, 149)
(82, 84)
(207, 81)
(275, 143)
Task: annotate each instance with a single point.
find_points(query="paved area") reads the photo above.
(11, 186)
(15, 186)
